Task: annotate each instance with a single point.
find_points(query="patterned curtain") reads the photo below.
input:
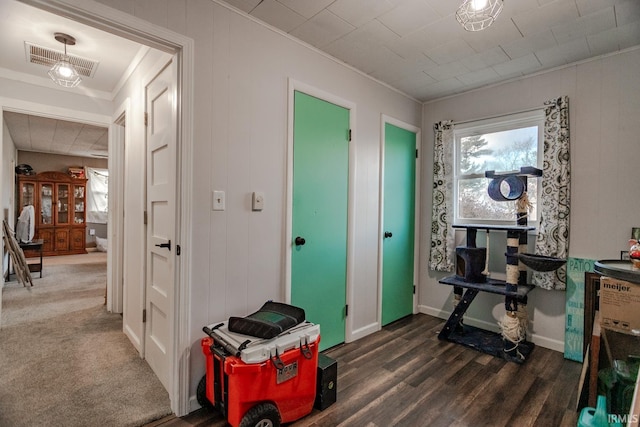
(441, 257)
(553, 232)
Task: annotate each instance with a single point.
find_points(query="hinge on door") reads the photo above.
(414, 289)
(416, 153)
(144, 315)
(346, 310)
(146, 119)
(349, 135)
(178, 250)
(145, 218)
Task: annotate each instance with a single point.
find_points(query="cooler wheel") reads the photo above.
(201, 394)
(261, 415)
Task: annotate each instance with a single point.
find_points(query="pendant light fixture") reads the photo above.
(476, 15)
(63, 73)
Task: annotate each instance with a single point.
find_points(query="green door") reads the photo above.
(399, 223)
(319, 221)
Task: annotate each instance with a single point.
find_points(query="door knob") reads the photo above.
(165, 245)
(299, 241)
(387, 234)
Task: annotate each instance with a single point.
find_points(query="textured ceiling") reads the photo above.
(45, 135)
(418, 47)
(415, 46)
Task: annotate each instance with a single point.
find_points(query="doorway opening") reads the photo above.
(181, 48)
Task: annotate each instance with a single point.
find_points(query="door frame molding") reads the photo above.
(292, 86)
(384, 119)
(125, 25)
(119, 134)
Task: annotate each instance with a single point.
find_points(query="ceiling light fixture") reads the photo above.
(63, 72)
(476, 15)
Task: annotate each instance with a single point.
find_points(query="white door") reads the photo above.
(161, 222)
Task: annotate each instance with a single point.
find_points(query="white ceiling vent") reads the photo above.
(47, 57)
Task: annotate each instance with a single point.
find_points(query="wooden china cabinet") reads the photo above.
(59, 202)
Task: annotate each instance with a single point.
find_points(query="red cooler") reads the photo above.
(251, 380)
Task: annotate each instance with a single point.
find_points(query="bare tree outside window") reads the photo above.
(500, 151)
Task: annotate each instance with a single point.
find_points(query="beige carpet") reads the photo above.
(64, 360)
(66, 286)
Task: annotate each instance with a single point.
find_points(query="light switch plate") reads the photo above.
(218, 201)
(257, 201)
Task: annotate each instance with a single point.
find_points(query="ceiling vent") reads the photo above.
(48, 57)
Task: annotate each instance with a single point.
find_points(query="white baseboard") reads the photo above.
(549, 343)
(542, 341)
(435, 312)
(364, 331)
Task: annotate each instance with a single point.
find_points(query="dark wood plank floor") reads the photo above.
(404, 376)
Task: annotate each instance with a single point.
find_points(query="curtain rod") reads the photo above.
(498, 115)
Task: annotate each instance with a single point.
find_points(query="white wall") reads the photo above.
(251, 66)
(7, 175)
(42, 162)
(240, 133)
(53, 102)
(604, 98)
(248, 131)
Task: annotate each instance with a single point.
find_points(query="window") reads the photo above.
(500, 144)
(97, 195)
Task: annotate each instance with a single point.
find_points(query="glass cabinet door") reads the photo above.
(78, 205)
(46, 203)
(28, 194)
(63, 203)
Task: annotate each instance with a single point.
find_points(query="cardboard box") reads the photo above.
(620, 305)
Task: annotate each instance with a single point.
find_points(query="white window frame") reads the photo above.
(490, 125)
